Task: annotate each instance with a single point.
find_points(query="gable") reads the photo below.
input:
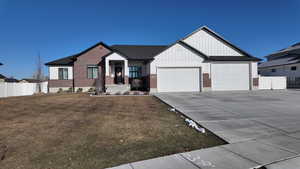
(210, 45)
(115, 56)
(178, 56)
(94, 54)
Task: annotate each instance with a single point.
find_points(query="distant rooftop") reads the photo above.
(11, 80)
(283, 60)
(295, 48)
(2, 76)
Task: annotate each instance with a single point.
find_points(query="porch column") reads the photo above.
(108, 78)
(126, 72)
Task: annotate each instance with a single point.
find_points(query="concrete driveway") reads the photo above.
(241, 116)
(261, 126)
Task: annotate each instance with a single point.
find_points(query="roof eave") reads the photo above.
(233, 58)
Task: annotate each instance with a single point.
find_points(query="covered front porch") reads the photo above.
(123, 75)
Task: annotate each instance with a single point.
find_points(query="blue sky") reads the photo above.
(59, 28)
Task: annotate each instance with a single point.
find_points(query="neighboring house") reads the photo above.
(27, 80)
(285, 62)
(2, 78)
(11, 80)
(201, 61)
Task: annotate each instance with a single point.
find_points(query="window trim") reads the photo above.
(293, 68)
(63, 70)
(138, 71)
(92, 67)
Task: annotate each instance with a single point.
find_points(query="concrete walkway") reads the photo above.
(262, 127)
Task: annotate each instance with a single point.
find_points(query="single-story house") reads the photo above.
(201, 61)
(285, 62)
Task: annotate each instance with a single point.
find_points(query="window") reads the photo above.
(92, 72)
(63, 73)
(293, 68)
(135, 71)
(273, 70)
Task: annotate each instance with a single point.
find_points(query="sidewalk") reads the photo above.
(244, 155)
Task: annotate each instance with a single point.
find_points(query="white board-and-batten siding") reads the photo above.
(210, 45)
(178, 56)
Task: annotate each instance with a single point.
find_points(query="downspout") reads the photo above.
(73, 79)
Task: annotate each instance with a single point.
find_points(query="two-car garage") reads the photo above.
(203, 61)
(224, 77)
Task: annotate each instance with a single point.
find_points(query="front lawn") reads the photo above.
(76, 131)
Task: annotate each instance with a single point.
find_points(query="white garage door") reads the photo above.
(178, 79)
(230, 76)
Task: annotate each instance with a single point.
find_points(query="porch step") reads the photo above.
(117, 89)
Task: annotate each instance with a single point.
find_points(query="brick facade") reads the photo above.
(153, 81)
(92, 57)
(206, 80)
(60, 83)
(255, 82)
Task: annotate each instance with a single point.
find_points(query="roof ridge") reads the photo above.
(136, 45)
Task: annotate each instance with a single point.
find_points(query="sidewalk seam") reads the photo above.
(189, 161)
(241, 155)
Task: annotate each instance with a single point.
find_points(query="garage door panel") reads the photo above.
(178, 79)
(230, 76)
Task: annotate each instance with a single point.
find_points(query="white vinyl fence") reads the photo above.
(21, 89)
(272, 82)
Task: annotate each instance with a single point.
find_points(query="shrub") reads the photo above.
(118, 93)
(70, 90)
(60, 90)
(92, 90)
(126, 93)
(79, 90)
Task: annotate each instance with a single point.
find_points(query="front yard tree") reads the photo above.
(39, 73)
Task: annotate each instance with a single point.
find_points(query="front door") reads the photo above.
(118, 75)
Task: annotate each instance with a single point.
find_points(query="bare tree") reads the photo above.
(39, 73)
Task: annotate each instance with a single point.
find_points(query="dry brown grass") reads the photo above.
(75, 131)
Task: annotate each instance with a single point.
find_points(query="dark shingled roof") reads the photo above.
(138, 52)
(63, 61)
(294, 49)
(32, 80)
(2, 76)
(11, 80)
(283, 60)
(233, 58)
